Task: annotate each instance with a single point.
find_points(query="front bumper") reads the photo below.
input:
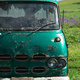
(37, 78)
(52, 78)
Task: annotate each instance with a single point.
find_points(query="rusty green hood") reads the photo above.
(38, 42)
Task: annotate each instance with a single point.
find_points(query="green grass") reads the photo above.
(73, 39)
(72, 15)
(74, 74)
(72, 34)
(74, 61)
(70, 5)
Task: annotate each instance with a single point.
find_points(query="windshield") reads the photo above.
(27, 15)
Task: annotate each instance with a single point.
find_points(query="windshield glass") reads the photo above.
(27, 15)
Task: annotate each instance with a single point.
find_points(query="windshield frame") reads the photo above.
(38, 2)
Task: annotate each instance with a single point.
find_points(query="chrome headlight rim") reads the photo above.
(65, 63)
(56, 63)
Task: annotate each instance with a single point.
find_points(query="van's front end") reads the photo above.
(32, 43)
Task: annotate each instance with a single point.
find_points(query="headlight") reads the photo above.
(62, 63)
(52, 63)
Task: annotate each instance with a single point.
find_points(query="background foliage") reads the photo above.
(71, 29)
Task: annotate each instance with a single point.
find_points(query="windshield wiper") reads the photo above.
(9, 32)
(41, 28)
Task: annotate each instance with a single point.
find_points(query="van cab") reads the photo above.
(32, 43)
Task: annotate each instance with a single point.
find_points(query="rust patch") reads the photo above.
(51, 48)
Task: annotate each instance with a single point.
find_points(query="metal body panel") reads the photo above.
(17, 42)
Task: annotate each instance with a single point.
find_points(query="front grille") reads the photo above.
(39, 69)
(5, 70)
(5, 57)
(21, 57)
(39, 56)
(21, 70)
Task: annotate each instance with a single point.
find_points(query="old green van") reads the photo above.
(32, 43)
